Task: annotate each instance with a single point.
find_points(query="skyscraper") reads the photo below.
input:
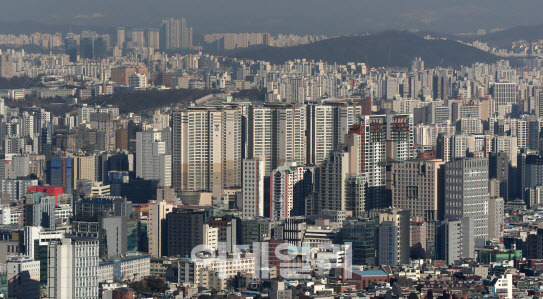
(86, 48)
(170, 34)
(137, 36)
(466, 194)
(70, 47)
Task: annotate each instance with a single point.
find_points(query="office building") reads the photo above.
(185, 230)
(362, 234)
(454, 241)
(153, 161)
(415, 187)
(466, 194)
(72, 268)
(504, 95)
(394, 237)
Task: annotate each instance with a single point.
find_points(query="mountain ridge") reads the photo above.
(389, 48)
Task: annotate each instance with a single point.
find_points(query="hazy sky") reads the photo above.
(296, 16)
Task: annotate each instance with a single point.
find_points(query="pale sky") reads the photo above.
(288, 16)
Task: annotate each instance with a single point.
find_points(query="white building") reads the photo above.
(152, 159)
(502, 286)
(138, 81)
(129, 268)
(72, 268)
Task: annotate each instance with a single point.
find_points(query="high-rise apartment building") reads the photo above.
(289, 186)
(252, 188)
(466, 194)
(277, 133)
(341, 185)
(121, 36)
(72, 268)
(208, 147)
(382, 138)
(175, 34)
(153, 38)
(137, 37)
(327, 125)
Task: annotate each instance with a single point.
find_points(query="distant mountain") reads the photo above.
(504, 38)
(391, 48)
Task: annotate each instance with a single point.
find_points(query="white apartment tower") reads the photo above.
(277, 133)
(207, 148)
(252, 188)
(328, 123)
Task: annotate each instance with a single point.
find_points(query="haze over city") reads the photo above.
(280, 149)
(285, 16)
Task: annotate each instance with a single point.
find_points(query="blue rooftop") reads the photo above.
(370, 273)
